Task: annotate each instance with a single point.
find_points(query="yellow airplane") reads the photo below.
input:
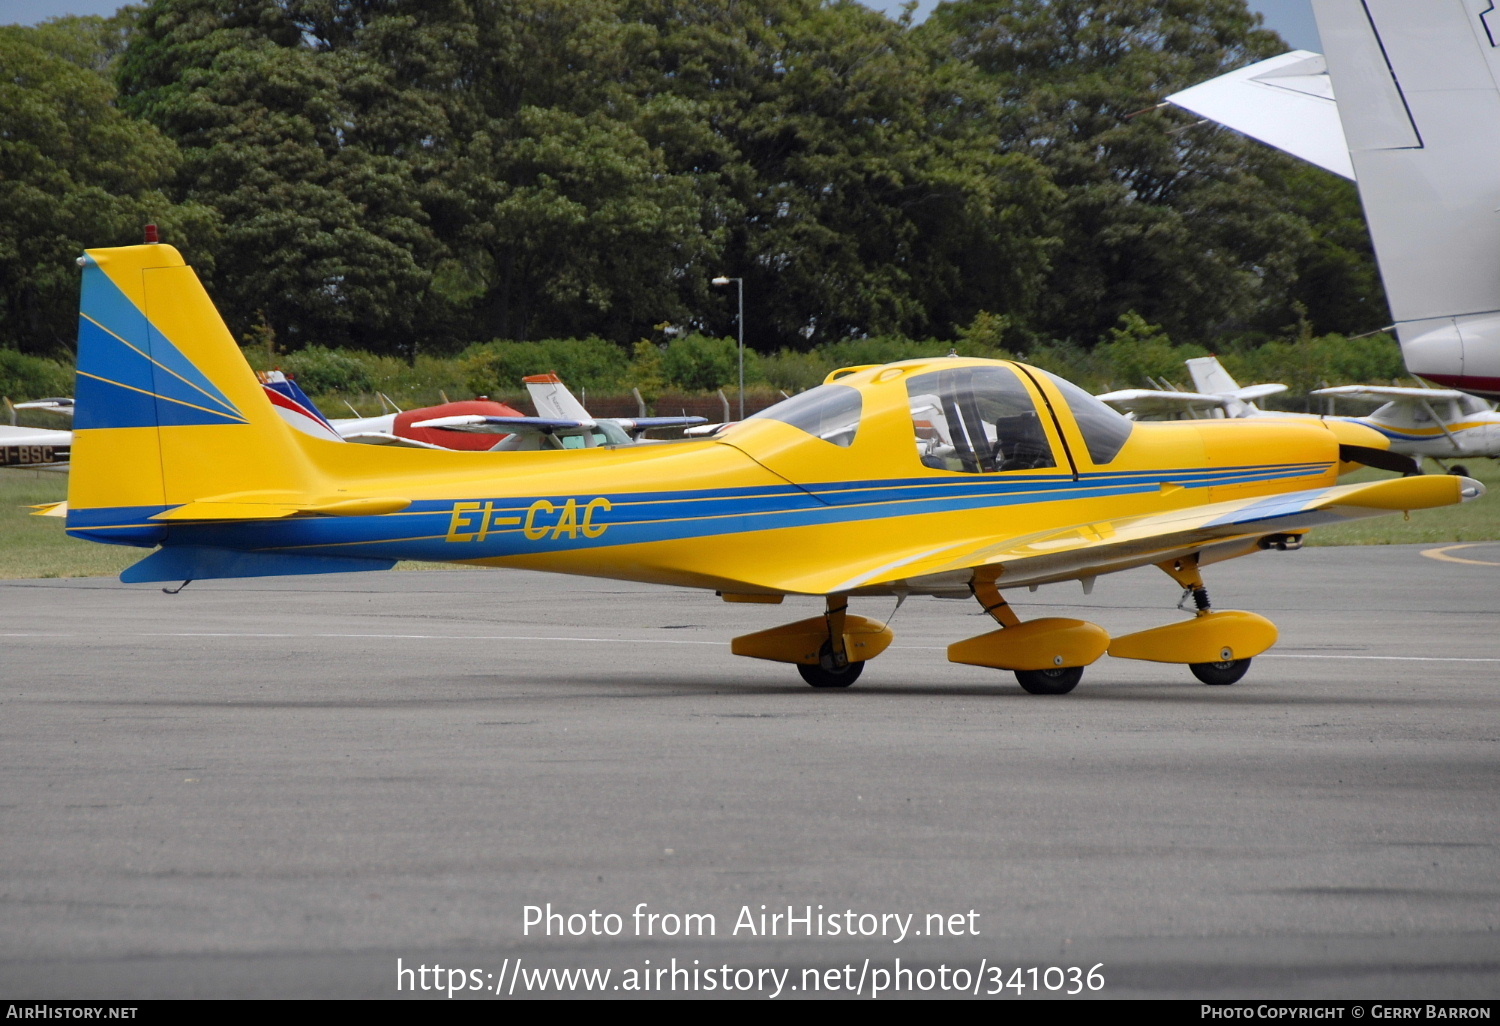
(943, 477)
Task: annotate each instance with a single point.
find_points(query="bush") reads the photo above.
(857, 352)
(494, 368)
(696, 363)
(1307, 363)
(793, 372)
(1137, 351)
(25, 377)
(320, 371)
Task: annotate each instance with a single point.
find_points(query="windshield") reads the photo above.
(1104, 429)
(829, 412)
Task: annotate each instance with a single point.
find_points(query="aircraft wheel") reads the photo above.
(1220, 673)
(821, 678)
(1050, 682)
(1459, 470)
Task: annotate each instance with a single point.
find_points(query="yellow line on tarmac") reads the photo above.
(1442, 554)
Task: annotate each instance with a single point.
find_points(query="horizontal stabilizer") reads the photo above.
(202, 563)
(50, 509)
(229, 509)
(1286, 102)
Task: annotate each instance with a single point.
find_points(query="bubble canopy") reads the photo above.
(829, 412)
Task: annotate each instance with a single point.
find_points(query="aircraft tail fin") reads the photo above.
(295, 406)
(1210, 376)
(163, 398)
(1417, 94)
(553, 399)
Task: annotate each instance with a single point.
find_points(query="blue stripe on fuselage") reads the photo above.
(423, 529)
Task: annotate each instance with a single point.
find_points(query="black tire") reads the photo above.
(1220, 673)
(821, 678)
(1050, 682)
(1459, 470)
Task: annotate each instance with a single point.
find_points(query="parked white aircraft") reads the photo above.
(472, 424)
(1440, 423)
(1217, 395)
(26, 448)
(1418, 108)
(561, 422)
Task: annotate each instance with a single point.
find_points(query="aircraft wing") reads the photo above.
(1080, 551)
(1250, 393)
(1286, 102)
(1148, 400)
(386, 438)
(61, 407)
(505, 425)
(1387, 393)
(635, 425)
(705, 430)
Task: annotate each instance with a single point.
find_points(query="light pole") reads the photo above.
(721, 280)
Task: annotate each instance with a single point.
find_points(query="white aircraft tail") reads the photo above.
(1286, 102)
(1210, 376)
(1418, 88)
(552, 398)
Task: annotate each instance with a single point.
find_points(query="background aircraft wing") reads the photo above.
(1150, 401)
(633, 426)
(1387, 393)
(1249, 393)
(506, 425)
(60, 406)
(386, 438)
(1217, 531)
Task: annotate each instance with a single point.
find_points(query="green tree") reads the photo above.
(696, 363)
(857, 195)
(1169, 220)
(1135, 352)
(75, 172)
(288, 136)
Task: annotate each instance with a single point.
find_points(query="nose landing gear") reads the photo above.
(1216, 645)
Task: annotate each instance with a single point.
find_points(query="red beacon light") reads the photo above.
(152, 238)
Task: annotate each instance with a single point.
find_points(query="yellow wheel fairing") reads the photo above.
(1049, 643)
(1223, 635)
(803, 641)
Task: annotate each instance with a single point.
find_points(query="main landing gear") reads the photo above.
(830, 650)
(1048, 655)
